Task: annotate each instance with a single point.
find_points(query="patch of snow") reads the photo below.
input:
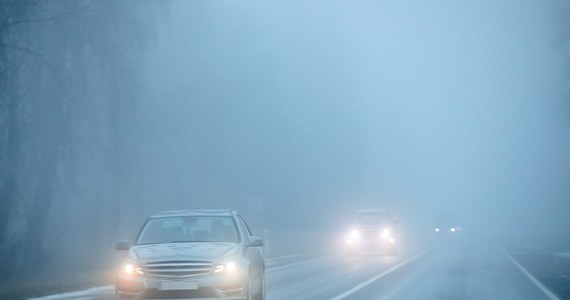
(79, 294)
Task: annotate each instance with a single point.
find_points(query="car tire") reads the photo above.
(120, 296)
(260, 295)
(249, 287)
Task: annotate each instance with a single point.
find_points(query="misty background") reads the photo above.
(294, 113)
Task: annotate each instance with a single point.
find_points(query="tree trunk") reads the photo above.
(9, 164)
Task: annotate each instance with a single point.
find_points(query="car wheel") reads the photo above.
(260, 295)
(120, 296)
(249, 287)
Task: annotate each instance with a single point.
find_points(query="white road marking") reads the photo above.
(277, 260)
(79, 294)
(371, 280)
(544, 289)
(303, 262)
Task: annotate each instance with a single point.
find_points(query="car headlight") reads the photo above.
(229, 267)
(132, 268)
(355, 234)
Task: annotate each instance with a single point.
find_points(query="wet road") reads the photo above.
(452, 269)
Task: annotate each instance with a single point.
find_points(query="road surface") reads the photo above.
(452, 269)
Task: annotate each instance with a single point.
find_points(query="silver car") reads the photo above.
(203, 254)
(373, 232)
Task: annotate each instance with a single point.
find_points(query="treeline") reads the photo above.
(69, 87)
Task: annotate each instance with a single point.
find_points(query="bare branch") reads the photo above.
(8, 25)
(29, 52)
(24, 21)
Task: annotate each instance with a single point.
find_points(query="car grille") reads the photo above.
(372, 235)
(178, 269)
(182, 294)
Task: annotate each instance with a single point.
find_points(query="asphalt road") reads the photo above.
(455, 269)
(452, 269)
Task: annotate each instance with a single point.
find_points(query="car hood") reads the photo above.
(184, 251)
(376, 227)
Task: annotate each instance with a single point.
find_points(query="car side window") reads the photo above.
(245, 225)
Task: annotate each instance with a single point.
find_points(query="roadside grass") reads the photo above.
(38, 287)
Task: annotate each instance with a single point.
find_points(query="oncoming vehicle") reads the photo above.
(445, 224)
(193, 254)
(373, 231)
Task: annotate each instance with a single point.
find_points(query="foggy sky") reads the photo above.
(319, 108)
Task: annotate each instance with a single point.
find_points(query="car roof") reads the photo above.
(201, 212)
(371, 210)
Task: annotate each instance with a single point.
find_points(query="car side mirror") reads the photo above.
(255, 241)
(122, 245)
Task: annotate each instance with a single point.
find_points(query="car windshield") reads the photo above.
(188, 229)
(373, 218)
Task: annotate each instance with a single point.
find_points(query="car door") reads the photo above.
(253, 254)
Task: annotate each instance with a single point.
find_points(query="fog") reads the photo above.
(294, 113)
(305, 110)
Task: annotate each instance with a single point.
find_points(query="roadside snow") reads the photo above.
(79, 294)
(108, 289)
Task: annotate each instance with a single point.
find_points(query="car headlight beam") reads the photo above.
(354, 234)
(229, 267)
(133, 269)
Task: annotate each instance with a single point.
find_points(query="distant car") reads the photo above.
(445, 224)
(373, 232)
(193, 254)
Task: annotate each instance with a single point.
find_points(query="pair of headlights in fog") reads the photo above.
(384, 234)
(452, 229)
(355, 234)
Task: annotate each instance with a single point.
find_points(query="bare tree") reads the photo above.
(69, 86)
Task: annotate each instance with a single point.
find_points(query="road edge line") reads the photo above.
(308, 261)
(277, 260)
(371, 280)
(539, 284)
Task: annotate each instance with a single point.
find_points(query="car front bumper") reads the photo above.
(371, 246)
(232, 286)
